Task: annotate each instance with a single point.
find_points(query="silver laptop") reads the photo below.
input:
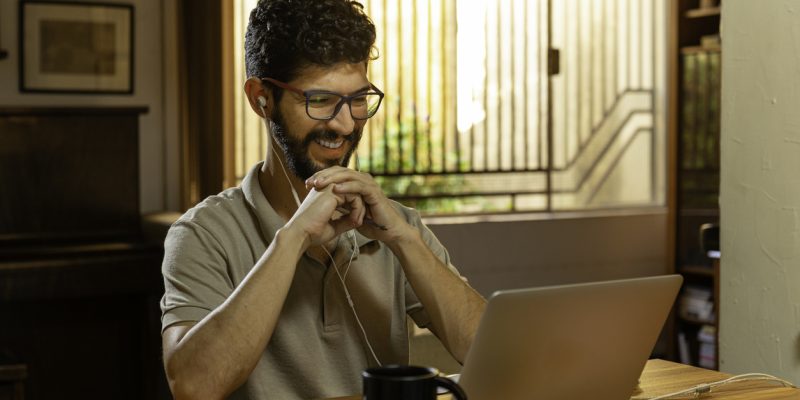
(582, 341)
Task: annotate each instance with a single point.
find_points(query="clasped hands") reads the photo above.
(340, 199)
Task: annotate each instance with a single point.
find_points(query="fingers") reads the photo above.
(353, 209)
(331, 190)
(367, 207)
(337, 175)
(358, 210)
(314, 215)
(347, 181)
(353, 212)
(370, 193)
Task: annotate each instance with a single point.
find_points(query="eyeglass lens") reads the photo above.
(324, 105)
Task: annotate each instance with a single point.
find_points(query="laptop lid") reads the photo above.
(581, 341)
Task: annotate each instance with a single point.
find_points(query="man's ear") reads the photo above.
(261, 100)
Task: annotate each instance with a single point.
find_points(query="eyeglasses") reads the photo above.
(323, 105)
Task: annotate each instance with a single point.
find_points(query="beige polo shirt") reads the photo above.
(317, 350)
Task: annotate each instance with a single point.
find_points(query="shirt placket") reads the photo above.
(334, 297)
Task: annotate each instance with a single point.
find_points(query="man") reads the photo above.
(268, 297)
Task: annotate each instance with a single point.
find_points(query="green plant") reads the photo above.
(405, 175)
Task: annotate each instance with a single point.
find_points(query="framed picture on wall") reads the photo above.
(76, 47)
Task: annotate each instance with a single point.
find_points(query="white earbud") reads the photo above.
(262, 102)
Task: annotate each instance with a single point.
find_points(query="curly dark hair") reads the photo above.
(283, 36)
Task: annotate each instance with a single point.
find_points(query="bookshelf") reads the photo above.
(696, 167)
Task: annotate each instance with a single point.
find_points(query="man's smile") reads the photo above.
(331, 144)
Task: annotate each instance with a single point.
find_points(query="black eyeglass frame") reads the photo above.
(343, 99)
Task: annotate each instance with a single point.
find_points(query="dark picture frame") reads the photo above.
(76, 47)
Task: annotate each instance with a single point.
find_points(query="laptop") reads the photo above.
(580, 341)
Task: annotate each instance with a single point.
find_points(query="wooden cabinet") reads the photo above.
(79, 287)
(85, 324)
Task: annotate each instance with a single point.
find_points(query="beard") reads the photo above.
(296, 150)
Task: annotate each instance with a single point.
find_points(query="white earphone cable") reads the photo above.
(335, 267)
(352, 305)
(352, 254)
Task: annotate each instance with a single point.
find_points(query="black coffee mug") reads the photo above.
(406, 382)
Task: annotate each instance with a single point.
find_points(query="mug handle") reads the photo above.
(453, 387)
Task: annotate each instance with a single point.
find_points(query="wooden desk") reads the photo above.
(662, 377)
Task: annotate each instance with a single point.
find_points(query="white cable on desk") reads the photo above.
(704, 388)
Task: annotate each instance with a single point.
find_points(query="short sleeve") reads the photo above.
(195, 277)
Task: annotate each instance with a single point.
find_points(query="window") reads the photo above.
(481, 115)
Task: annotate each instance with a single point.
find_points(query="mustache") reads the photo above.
(330, 136)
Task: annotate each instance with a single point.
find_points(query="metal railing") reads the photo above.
(508, 115)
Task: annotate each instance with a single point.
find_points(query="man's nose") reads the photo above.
(343, 123)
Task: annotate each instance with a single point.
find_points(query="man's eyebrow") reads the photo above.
(362, 89)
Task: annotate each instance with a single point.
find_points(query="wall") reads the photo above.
(148, 91)
(515, 251)
(760, 188)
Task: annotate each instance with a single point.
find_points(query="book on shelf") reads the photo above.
(708, 356)
(683, 349)
(707, 337)
(707, 334)
(697, 304)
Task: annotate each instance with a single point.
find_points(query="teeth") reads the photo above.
(330, 145)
